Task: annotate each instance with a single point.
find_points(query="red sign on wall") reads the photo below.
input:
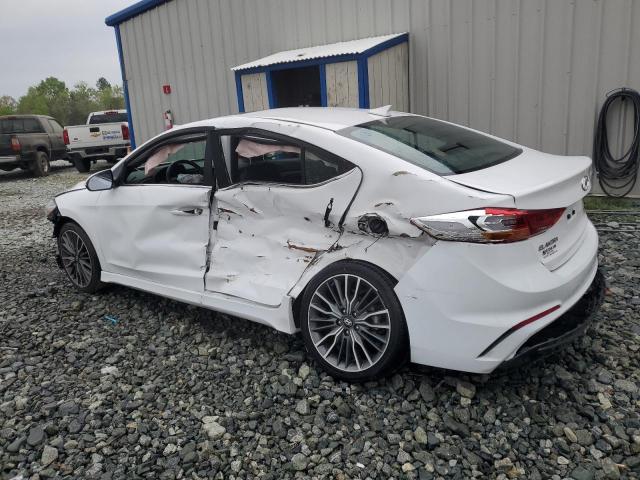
(166, 89)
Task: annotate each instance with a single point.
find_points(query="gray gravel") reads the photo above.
(173, 391)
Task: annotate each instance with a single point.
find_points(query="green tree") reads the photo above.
(49, 97)
(102, 84)
(111, 98)
(8, 105)
(82, 101)
(52, 97)
(33, 103)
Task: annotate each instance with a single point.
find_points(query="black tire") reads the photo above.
(82, 165)
(396, 352)
(40, 165)
(69, 237)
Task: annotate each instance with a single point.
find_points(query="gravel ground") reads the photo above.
(173, 391)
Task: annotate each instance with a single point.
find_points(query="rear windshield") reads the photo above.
(20, 125)
(109, 117)
(436, 146)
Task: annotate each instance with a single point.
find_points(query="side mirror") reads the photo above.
(100, 181)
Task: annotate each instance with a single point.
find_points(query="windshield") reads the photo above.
(108, 117)
(436, 146)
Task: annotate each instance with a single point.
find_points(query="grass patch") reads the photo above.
(608, 203)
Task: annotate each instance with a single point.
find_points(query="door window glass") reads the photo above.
(320, 169)
(268, 162)
(265, 160)
(32, 125)
(178, 162)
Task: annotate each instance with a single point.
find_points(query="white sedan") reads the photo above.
(381, 236)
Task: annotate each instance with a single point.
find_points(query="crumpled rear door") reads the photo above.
(268, 234)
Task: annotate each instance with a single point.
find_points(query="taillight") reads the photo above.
(15, 144)
(125, 131)
(65, 136)
(489, 225)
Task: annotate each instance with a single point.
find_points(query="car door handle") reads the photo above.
(187, 211)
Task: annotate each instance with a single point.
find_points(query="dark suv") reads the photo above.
(30, 142)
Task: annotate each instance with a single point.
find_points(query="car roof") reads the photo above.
(3, 117)
(330, 118)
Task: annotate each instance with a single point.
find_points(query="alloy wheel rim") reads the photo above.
(349, 323)
(45, 164)
(76, 259)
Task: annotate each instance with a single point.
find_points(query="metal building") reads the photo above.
(533, 71)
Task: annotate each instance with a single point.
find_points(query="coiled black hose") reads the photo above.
(620, 174)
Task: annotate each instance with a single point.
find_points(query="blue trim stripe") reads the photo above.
(385, 45)
(363, 83)
(271, 94)
(239, 92)
(125, 88)
(132, 11)
(323, 85)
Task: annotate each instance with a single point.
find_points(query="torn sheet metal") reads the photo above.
(394, 255)
(267, 235)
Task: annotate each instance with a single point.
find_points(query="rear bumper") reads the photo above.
(459, 300)
(10, 160)
(95, 153)
(565, 329)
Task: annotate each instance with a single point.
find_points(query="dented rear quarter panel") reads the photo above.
(290, 248)
(267, 235)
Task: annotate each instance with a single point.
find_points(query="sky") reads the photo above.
(66, 39)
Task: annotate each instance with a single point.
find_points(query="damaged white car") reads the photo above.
(382, 236)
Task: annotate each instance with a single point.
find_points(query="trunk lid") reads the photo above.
(538, 181)
(534, 179)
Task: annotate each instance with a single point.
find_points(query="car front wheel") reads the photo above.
(78, 258)
(352, 322)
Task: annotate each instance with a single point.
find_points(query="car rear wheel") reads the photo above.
(352, 322)
(82, 165)
(79, 259)
(40, 166)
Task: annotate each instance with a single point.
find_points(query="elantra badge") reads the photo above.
(585, 183)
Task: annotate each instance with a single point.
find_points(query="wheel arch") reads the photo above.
(44, 149)
(60, 220)
(301, 288)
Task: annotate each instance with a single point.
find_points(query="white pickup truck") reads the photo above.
(106, 135)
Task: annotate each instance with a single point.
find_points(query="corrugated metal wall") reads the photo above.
(534, 71)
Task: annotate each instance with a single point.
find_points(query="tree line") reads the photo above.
(69, 106)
